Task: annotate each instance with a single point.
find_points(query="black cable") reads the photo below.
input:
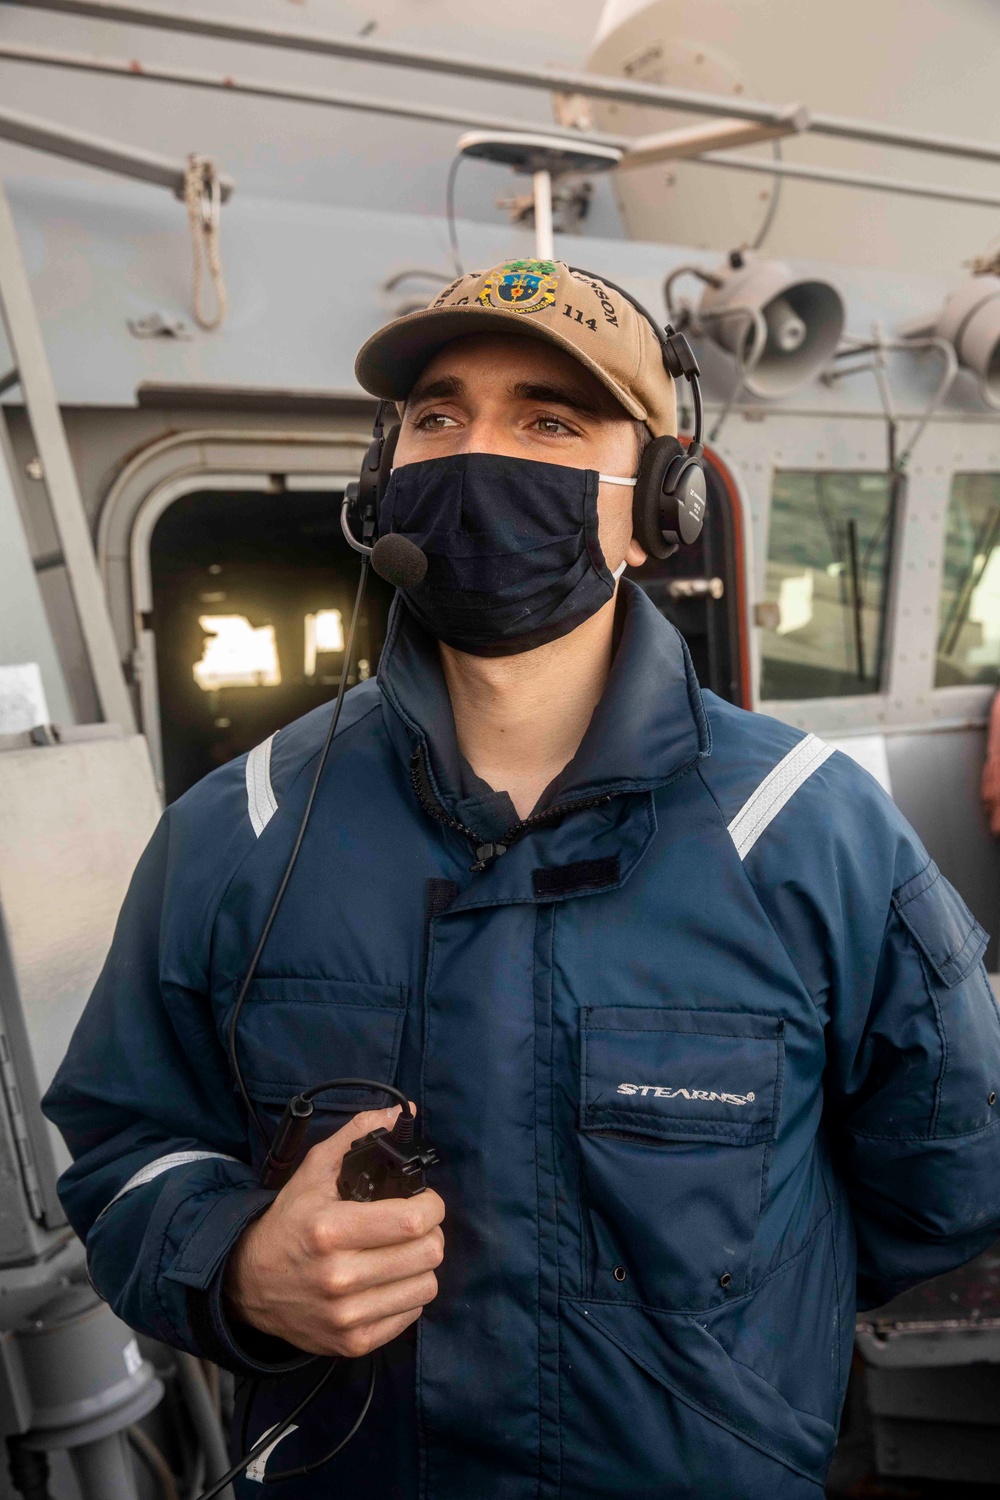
(272, 1436)
(449, 211)
(290, 866)
(699, 415)
(772, 207)
(319, 1462)
(247, 1407)
(357, 1083)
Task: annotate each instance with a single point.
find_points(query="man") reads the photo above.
(700, 1034)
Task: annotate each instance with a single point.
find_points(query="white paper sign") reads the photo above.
(22, 698)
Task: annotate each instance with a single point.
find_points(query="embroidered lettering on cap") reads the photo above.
(708, 1095)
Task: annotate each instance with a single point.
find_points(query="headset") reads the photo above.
(668, 510)
(668, 502)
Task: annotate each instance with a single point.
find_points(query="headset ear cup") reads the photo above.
(373, 479)
(683, 502)
(647, 497)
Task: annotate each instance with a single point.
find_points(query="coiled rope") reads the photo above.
(203, 199)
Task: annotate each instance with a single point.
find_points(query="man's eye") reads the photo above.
(435, 421)
(552, 425)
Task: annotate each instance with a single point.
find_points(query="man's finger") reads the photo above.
(327, 1155)
(369, 1226)
(360, 1271)
(384, 1302)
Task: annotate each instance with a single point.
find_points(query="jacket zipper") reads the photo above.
(488, 851)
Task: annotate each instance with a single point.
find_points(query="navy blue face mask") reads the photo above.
(513, 558)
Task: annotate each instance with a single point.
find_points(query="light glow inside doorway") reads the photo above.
(236, 654)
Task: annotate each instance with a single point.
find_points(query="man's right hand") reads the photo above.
(332, 1277)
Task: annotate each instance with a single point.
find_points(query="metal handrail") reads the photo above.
(144, 165)
(559, 80)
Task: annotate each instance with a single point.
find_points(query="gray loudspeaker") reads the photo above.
(970, 321)
(782, 330)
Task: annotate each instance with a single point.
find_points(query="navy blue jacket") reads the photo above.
(702, 1057)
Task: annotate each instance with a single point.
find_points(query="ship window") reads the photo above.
(968, 647)
(827, 567)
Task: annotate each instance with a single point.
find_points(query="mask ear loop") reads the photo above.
(631, 483)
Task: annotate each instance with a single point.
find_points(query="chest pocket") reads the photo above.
(296, 1032)
(677, 1112)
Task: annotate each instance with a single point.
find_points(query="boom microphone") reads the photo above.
(399, 561)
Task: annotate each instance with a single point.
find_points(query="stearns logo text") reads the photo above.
(709, 1095)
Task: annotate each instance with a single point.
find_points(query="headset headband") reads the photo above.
(678, 357)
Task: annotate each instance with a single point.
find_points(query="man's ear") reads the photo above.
(635, 556)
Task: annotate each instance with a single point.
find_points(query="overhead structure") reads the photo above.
(815, 53)
(734, 120)
(561, 80)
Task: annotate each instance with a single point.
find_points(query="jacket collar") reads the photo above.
(649, 727)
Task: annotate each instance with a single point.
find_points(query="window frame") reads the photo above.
(766, 441)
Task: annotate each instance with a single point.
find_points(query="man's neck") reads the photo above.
(520, 719)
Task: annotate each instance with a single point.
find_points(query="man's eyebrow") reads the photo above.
(558, 395)
(440, 389)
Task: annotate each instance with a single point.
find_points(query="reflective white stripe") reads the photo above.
(774, 791)
(261, 803)
(620, 569)
(154, 1169)
(615, 479)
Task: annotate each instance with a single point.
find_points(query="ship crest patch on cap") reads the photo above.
(522, 286)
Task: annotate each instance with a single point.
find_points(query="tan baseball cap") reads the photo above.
(542, 299)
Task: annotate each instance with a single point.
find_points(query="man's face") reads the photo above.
(522, 398)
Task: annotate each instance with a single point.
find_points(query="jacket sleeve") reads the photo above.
(893, 960)
(160, 1186)
(915, 1093)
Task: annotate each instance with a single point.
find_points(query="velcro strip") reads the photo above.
(585, 875)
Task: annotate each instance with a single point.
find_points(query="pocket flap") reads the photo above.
(941, 924)
(295, 1032)
(681, 1074)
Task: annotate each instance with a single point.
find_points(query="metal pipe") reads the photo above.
(544, 242)
(558, 80)
(95, 151)
(103, 1470)
(356, 49)
(24, 339)
(206, 1424)
(835, 177)
(371, 104)
(710, 135)
(263, 88)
